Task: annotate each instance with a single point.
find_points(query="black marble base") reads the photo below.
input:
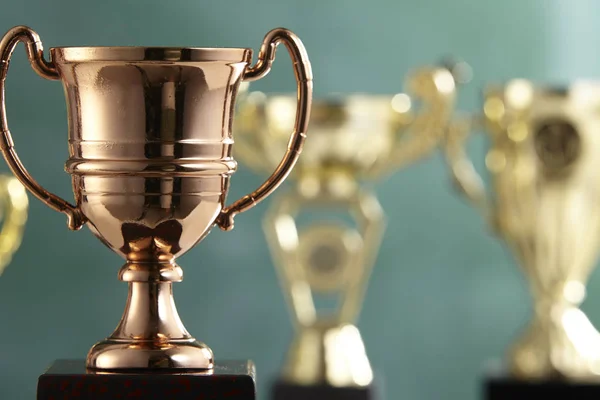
(282, 390)
(501, 386)
(68, 379)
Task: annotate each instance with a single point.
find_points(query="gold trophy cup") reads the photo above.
(13, 212)
(150, 159)
(544, 161)
(353, 138)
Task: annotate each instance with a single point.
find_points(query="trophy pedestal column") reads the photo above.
(500, 385)
(150, 335)
(69, 379)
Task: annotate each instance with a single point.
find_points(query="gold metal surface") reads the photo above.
(362, 135)
(544, 162)
(13, 212)
(326, 259)
(150, 158)
(353, 138)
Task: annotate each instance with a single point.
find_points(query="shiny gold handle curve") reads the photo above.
(15, 207)
(463, 172)
(35, 53)
(435, 87)
(303, 73)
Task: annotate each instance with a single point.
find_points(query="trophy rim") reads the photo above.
(400, 102)
(331, 97)
(150, 54)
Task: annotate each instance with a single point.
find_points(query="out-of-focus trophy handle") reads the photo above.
(436, 88)
(35, 53)
(303, 73)
(15, 215)
(464, 174)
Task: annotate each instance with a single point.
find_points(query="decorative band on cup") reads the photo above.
(172, 168)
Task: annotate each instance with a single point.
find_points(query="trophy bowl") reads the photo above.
(363, 135)
(150, 159)
(543, 159)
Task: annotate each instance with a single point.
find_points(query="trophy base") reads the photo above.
(283, 390)
(69, 379)
(502, 386)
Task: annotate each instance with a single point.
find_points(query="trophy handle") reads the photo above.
(303, 73)
(15, 215)
(35, 53)
(436, 87)
(464, 174)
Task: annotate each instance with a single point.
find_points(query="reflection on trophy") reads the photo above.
(13, 212)
(353, 138)
(150, 158)
(544, 160)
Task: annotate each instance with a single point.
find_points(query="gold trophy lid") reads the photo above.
(149, 54)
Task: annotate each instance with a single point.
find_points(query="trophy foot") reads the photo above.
(112, 354)
(150, 336)
(565, 348)
(328, 353)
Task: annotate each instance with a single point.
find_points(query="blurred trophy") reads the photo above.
(354, 138)
(150, 159)
(13, 213)
(544, 161)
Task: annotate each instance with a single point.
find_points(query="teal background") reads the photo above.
(445, 297)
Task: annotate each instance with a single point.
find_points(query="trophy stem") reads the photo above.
(150, 334)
